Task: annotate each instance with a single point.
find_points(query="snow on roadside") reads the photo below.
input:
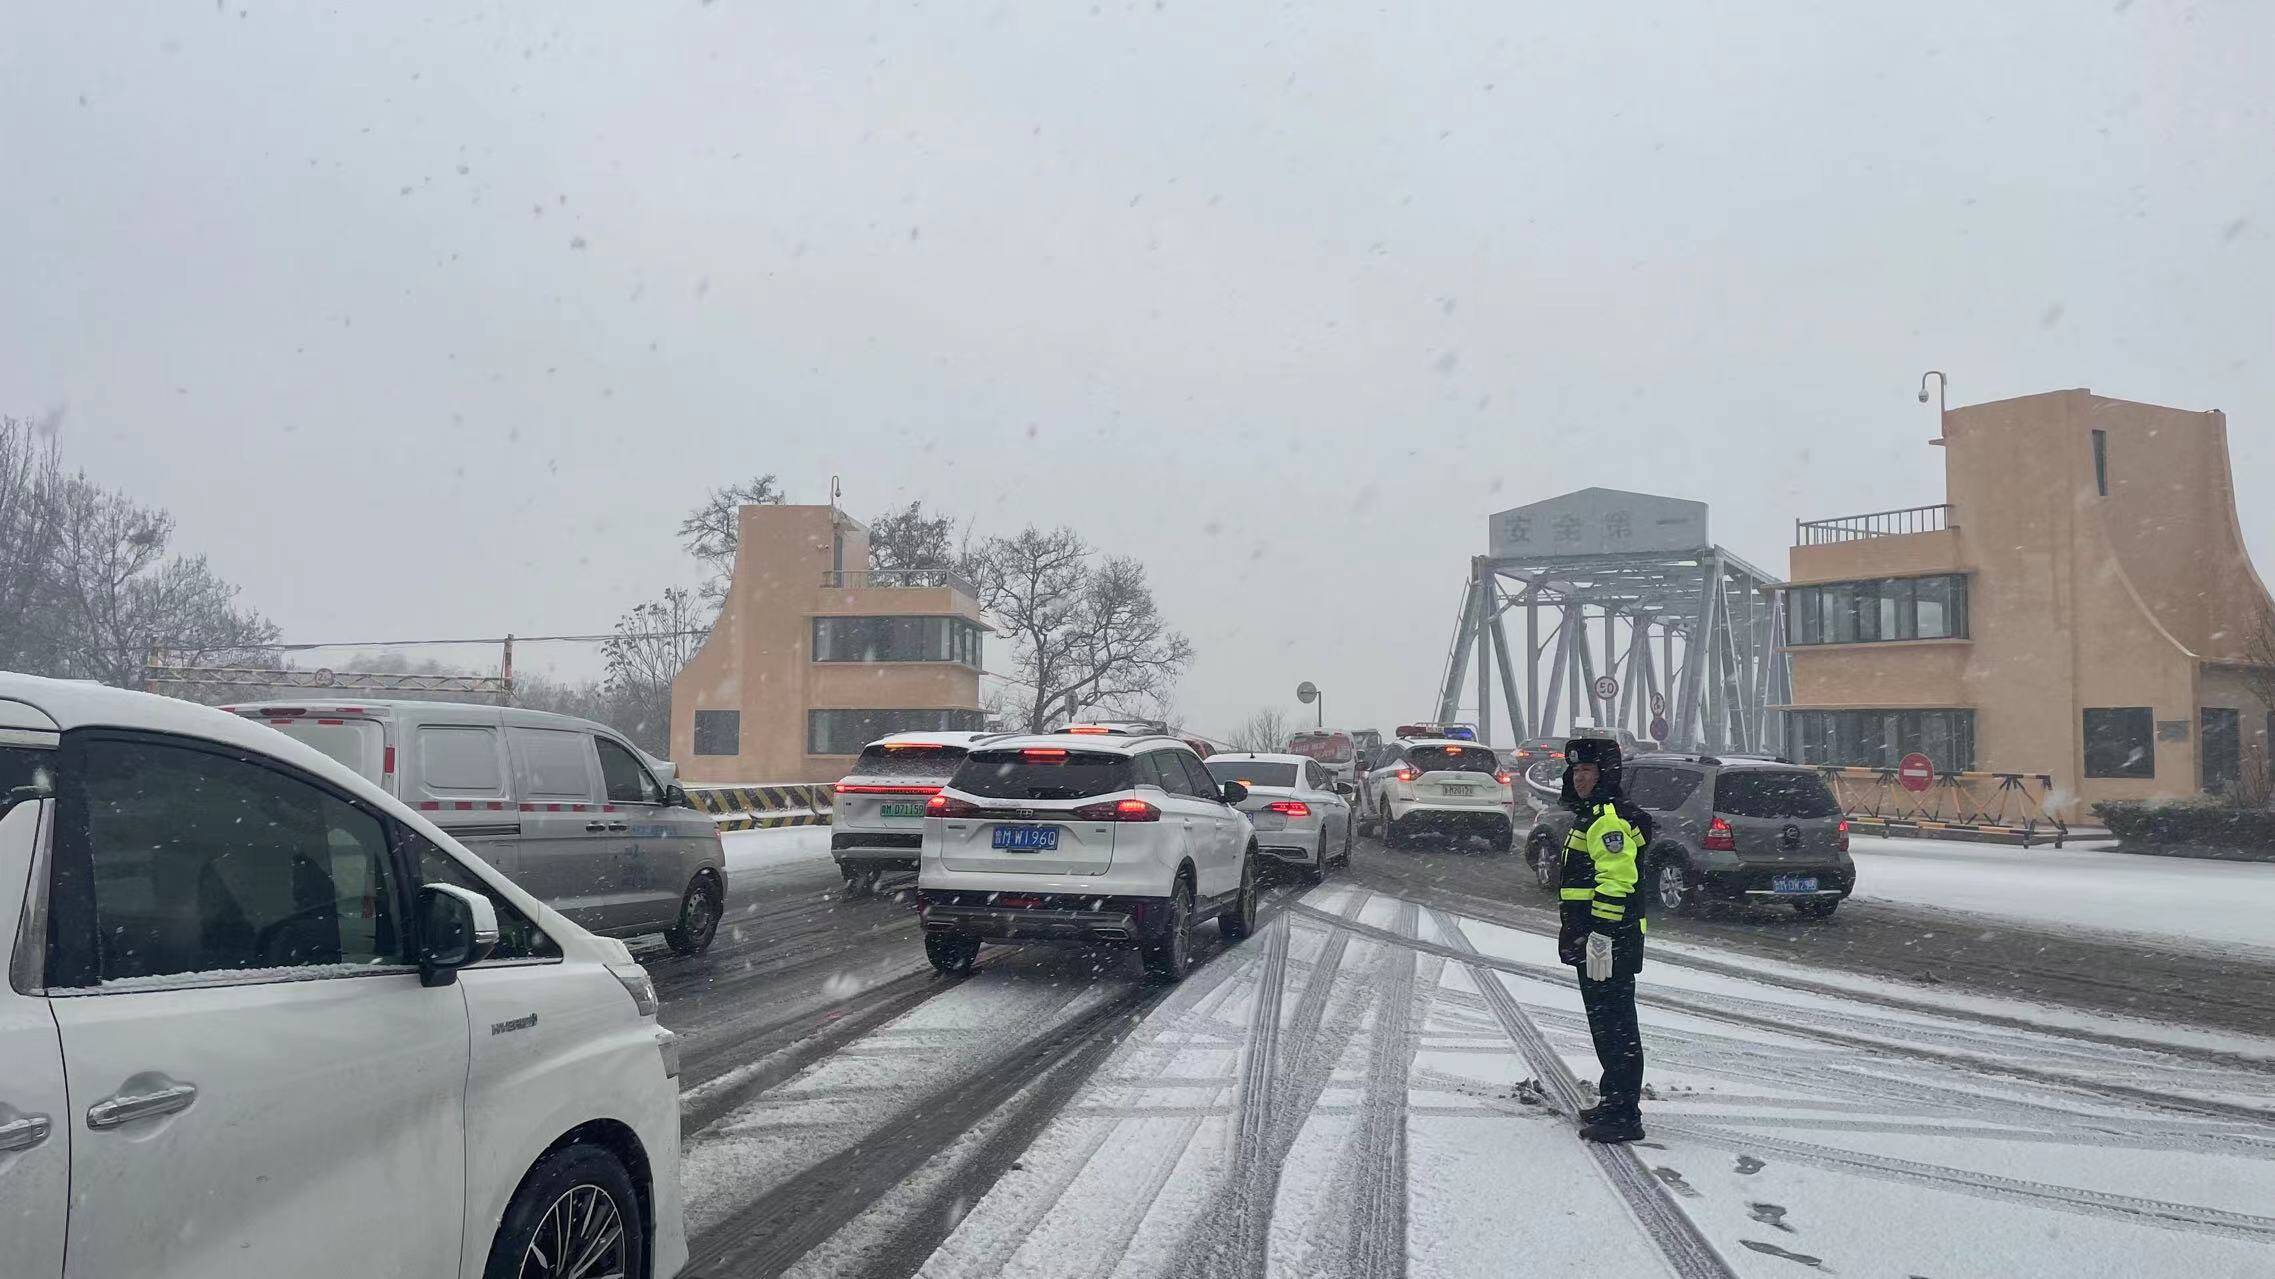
(1792, 1128)
(750, 851)
(2174, 902)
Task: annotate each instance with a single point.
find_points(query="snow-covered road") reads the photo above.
(1373, 1087)
(2170, 901)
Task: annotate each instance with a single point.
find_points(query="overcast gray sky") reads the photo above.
(425, 321)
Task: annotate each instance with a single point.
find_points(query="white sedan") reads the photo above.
(1301, 812)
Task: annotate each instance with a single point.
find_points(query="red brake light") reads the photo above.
(1843, 830)
(1720, 838)
(1090, 730)
(855, 788)
(1290, 807)
(948, 806)
(1407, 774)
(1044, 752)
(1118, 810)
(1504, 777)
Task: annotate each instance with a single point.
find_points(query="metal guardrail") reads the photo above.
(899, 579)
(765, 807)
(2007, 807)
(1856, 528)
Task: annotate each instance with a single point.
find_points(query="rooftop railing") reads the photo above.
(1856, 528)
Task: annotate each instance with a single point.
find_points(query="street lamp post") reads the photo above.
(1942, 385)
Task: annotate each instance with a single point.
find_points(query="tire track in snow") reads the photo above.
(767, 1235)
(1375, 1244)
(1232, 1234)
(1670, 1229)
(2091, 1203)
(1783, 1024)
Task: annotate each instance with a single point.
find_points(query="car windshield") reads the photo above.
(1042, 774)
(1451, 759)
(1769, 792)
(1251, 772)
(908, 761)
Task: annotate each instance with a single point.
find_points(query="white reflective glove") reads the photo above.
(1599, 957)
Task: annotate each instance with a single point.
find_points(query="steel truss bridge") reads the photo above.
(1630, 619)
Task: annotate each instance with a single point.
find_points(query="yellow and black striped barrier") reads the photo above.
(764, 807)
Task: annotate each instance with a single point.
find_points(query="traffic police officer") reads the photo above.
(1602, 933)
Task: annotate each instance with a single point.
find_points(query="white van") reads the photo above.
(261, 1018)
(565, 807)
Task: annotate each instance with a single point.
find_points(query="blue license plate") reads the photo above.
(1793, 883)
(1027, 839)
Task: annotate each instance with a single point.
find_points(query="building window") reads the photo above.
(2120, 741)
(718, 732)
(1896, 608)
(897, 639)
(2220, 730)
(2101, 462)
(1881, 738)
(845, 732)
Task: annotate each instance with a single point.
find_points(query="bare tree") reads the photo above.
(712, 531)
(1266, 730)
(652, 642)
(31, 483)
(1084, 635)
(120, 597)
(910, 539)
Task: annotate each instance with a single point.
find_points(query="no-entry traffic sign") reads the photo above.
(1915, 771)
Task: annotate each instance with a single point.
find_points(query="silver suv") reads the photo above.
(1746, 829)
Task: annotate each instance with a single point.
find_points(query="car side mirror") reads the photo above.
(675, 796)
(457, 927)
(1235, 793)
(1346, 789)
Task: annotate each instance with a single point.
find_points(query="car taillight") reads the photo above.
(1720, 838)
(1120, 810)
(1290, 807)
(1842, 830)
(948, 806)
(858, 788)
(1407, 774)
(1504, 777)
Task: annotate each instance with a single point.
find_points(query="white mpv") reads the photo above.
(1088, 838)
(262, 1019)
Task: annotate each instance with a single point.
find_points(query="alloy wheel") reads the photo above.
(580, 1237)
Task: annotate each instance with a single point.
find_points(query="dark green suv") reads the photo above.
(1736, 828)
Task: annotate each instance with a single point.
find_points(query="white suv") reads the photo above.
(1440, 786)
(877, 811)
(263, 1019)
(1087, 838)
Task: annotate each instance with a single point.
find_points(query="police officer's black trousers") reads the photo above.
(1619, 1044)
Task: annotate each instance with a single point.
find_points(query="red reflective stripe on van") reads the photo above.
(608, 808)
(428, 806)
(331, 723)
(464, 806)
(387, 765)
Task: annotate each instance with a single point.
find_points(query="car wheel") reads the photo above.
(699, 914)
(1240, 921)
(576, 1213)
(1506, 841)
(1677, 895)
(1171, 957)
(1317, 871)
(952, 955)
(1350, 837)
(860, 883)
(1820, 909)
(1545, 870)
(1391, 839)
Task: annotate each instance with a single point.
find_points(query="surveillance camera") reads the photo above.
(1923, 395)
